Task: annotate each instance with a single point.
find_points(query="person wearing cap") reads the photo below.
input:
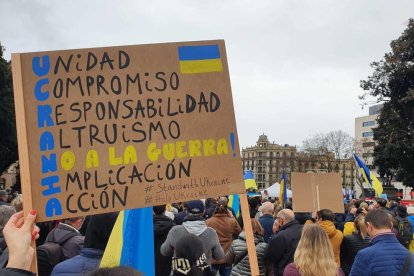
(195, 224)
(3, 197)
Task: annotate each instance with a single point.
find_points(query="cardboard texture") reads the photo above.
(115, 128)
(316, 191)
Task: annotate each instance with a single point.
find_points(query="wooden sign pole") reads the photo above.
(317, 198)
(22, 142)
(251, 247)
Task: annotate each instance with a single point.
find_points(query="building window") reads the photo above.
(368, 134)
(369, 123)
(368, 144)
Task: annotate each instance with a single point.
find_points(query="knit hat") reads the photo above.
(195, 207)
(401, 210)
(99, 229)
(190, 257)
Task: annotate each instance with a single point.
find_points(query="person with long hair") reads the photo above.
(314, 255)
(353, 243)
(226, 227)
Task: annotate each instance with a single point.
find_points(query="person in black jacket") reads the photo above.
(282, 245)
(351, 244)
(162, 225)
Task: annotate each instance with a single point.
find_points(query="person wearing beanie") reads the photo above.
(97, 235)
(190, 257)
(195, 224)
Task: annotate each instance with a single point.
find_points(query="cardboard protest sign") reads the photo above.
(107, 129)
(316, 191)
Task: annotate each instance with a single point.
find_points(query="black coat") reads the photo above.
(162, 225)
(282, 246)
(350, 246)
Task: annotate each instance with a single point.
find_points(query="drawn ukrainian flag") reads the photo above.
(199, 59)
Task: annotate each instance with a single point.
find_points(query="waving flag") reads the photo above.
(283, 190)
(369, 177)
(249, 181)
(132, 242)
(234, 203)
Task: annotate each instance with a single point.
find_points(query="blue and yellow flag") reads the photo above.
(234, 203)
(132, 241)
(249, 181)
(199, 59)
(283, 190)
(369, 177)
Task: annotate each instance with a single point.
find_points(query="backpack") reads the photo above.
(50, 253)
(405, 231)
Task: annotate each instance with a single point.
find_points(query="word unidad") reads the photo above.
(170, 151)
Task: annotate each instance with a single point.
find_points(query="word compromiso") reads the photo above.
(50, 180)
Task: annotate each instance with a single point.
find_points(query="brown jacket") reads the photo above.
(226, 227)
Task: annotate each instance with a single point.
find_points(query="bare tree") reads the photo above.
(339, 142)
(316, 145)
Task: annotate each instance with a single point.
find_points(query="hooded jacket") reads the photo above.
(226, 227)
(335, 236)
(162, 226)
(71, 247)
(196, 225)
(237, 255)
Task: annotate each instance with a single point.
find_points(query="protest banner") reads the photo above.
(108, 129)
(115, 128)
(316, 191)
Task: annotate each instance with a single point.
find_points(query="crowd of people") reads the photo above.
(205, 237)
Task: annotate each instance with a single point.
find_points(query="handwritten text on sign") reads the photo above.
(125, 127)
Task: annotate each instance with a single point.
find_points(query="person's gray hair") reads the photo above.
(287, 215)
(268, 208)
(6, 212)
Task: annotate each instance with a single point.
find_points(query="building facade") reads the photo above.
(268, 160)
(364, 135)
